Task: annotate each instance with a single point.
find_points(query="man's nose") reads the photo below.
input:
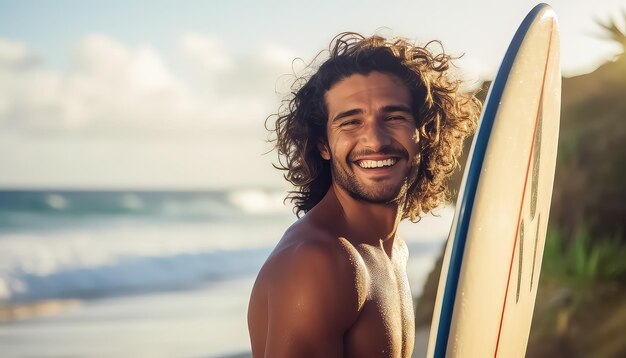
(376, 136)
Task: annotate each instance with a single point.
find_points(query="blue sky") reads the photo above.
(156, 94)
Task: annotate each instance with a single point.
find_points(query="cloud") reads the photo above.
(276, 57)
(206, 52)
(15, 55)
(111, 87)
(102, 59)
(244, 81)
(120, 115)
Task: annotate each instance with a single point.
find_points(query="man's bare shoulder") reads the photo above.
(309, 292)
(316, 265)
(310, 249)
(306, 235)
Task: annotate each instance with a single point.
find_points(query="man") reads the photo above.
(368, 140)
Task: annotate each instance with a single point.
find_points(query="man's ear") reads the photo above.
(323, 148)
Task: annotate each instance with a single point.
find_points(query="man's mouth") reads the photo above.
(370, 164)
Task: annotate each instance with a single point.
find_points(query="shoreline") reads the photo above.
(16, 312)
(199, 323)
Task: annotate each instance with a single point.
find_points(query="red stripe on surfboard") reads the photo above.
(519, 217)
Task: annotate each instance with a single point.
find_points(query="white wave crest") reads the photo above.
(254, 201)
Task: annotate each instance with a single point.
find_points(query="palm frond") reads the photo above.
(613, 30)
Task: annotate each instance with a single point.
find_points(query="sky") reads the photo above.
(174, 95)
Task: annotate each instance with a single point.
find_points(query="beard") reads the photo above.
(379, 193)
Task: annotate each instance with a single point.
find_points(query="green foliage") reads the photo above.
(613, 31)
(582, 260)
(591, 166)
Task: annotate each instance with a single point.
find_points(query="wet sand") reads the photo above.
(208, 322)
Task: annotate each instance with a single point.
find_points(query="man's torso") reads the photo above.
(384, 326)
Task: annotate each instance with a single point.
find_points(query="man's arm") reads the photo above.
(313, 299)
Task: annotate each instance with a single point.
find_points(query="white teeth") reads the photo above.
(377, 163)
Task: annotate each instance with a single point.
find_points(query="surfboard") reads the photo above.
(492, 261)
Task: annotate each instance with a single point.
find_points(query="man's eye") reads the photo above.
(349, 122)
(396, 118)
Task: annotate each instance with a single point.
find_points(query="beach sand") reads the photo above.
(207, 322)
(18, 312)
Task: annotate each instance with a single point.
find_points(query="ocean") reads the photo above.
(147, 273)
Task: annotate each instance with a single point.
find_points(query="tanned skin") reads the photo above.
(336, 283)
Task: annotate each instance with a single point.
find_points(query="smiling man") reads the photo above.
(368, 140)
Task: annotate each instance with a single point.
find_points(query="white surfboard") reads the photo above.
(492, 261)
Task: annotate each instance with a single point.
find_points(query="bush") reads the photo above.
(582, 260)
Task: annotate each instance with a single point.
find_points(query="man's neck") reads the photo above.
(371, 223)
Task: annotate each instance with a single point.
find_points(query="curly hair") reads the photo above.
(444, 117)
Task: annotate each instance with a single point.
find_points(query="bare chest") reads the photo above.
(386, 324)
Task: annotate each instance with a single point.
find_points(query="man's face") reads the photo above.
(372, 138)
